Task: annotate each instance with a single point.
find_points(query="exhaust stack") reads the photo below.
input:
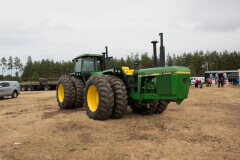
(107, 59)
(162, 51)
(154, 52)
(104, 60)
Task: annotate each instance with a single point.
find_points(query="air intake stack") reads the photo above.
(162, 51)
(155, 52)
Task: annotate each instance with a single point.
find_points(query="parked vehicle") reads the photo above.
(231, 75)
(193, 79)
(9, 88)
(41, 84)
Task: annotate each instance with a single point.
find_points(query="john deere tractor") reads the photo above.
(106, 92)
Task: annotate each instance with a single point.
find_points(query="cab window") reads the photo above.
(91, 64)
(78, 65)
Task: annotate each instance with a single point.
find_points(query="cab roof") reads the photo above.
(89, 55)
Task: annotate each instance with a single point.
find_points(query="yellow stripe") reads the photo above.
(148, 75)
(182, 72)
(165, 73)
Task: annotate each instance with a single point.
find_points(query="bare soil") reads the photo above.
(205, 126)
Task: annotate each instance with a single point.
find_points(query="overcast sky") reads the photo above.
(63, 29)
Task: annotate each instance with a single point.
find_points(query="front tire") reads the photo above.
(14, 94)
(65, 92)
(98, 98)
(161, 107)
(144, 109)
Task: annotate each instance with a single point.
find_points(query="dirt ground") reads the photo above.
(205, 126)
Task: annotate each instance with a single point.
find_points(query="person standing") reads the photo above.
(219, 81)
(200, 83)
(196, 83)
(209, 82)
(222, 81)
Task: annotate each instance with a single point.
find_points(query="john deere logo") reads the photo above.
(184, 80)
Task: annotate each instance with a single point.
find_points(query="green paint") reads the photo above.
(148, 85)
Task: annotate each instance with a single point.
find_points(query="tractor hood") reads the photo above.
(162, 71)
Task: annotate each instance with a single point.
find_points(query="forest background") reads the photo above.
(198, 62)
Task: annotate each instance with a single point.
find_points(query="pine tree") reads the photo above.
(17, 65)
(129, 62)
(3, 64)
(146, 61)
(28, 69)
(10, 64)
(35, 76)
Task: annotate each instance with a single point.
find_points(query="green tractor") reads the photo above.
(106, 92)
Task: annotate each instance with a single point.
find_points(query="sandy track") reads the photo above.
(205, 126)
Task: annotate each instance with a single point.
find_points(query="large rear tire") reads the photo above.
(65, 92)
(144, 109)
(120, 97)
(161, 107)
(98, 98)
(78, 92)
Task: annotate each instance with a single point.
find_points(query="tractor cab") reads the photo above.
(87, 65)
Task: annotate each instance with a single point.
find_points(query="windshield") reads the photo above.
(89, 64)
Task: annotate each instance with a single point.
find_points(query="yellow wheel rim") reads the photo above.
(92, 98)
(60, 93)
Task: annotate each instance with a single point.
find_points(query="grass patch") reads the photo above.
(72, 150)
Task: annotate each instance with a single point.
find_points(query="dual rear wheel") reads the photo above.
(103, 96)
(65, 92)
(70, 92)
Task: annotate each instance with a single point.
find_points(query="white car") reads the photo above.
(193, 79)
(9, 88)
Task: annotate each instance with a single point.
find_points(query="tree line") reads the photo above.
(33, 70)
(198, 62)
(46, 69)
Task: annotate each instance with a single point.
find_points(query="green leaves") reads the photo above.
(198, 62)
(46, 69)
